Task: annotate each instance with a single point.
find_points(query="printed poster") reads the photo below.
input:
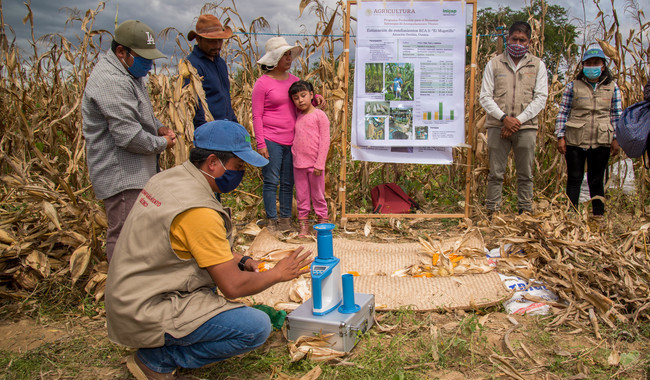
(409, 82)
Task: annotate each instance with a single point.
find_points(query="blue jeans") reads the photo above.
(279, 171)
(227, 334)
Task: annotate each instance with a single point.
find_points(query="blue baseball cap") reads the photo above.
(228, 136)
(594, 53)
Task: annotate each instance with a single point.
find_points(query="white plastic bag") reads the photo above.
(518, 305)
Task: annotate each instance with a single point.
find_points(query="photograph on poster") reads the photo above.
(374, 77)
(377, 108)
(375, 127)
(421, 133)
(399, 81)
(400, 124)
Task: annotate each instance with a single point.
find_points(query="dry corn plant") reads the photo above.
(51, 227)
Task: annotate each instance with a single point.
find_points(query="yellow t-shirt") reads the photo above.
(200, 233)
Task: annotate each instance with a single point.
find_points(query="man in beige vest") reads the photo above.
(513, 92)
(175, 247)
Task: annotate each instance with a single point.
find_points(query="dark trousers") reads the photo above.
(597, 159)
(117, 209)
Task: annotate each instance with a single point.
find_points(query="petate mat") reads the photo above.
(375, 262)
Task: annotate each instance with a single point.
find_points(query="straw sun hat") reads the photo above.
(275, 48)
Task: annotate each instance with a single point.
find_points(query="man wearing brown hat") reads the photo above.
(205, 58)
(123, 137)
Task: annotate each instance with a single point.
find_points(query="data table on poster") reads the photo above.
(437, 78)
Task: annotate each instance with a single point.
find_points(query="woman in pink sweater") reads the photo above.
(274, 118)
(310, 146)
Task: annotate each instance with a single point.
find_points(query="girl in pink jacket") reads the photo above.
(311, 143)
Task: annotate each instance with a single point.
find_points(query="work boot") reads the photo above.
(284, 224)
(272, 225)
(142, 372)
(304, 228)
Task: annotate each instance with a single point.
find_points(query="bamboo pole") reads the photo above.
(346, 84)
(470, 106)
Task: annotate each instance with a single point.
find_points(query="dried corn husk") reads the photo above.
(300, 290)
(316, 348)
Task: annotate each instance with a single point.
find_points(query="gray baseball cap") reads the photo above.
(139, 37)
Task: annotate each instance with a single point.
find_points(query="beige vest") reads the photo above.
(589, 124)
(513, 91)
(150, 291)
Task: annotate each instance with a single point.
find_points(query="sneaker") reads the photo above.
(284, 224)
(142, 372)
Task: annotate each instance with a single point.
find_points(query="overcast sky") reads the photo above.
(50, 15)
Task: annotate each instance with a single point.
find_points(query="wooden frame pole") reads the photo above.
(470, 106)
(346, 83)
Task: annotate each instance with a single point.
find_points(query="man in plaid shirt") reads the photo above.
(123, 137)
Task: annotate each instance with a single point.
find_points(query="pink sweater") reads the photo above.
(274, 114)
(311, 141)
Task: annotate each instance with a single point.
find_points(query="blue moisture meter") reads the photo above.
(325, 273)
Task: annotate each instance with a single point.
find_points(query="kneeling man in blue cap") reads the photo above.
(175, 247)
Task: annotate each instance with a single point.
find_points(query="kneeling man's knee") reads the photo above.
(260, 327)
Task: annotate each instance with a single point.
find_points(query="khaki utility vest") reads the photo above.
(513, 91)
(589, 124)
(150, 291)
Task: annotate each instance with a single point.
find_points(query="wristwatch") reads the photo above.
(503, 117)
(242, 263)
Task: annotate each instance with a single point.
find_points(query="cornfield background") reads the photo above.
(52, 227)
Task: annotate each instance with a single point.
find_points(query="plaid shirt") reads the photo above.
(615, 110)
(121, 131)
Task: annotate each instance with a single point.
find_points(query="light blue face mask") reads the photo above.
(140, 66)
(592, 72)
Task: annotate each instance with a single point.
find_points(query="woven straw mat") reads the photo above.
(375, 262)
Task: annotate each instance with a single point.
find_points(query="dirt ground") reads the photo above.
(535, 351)
(404, 344)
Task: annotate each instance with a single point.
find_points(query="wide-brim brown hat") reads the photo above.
(208, 26)
(275, 48)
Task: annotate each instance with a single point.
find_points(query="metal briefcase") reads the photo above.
(347, 328)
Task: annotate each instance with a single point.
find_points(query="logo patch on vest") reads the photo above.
(151, 198)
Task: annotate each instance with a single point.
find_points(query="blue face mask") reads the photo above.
(140, 66)
(592, 72)
(229, 180)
